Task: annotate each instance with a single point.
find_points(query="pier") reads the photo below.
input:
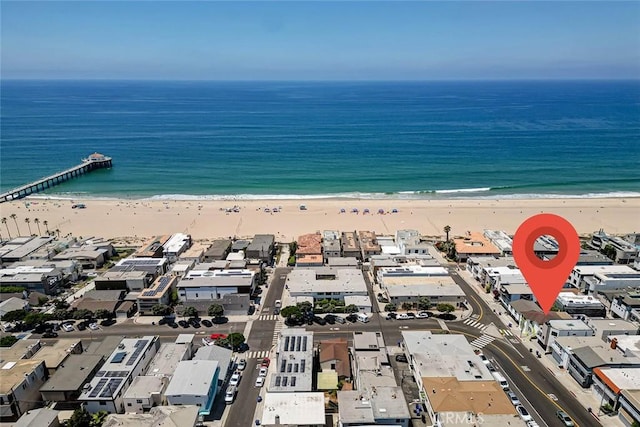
(91, 163)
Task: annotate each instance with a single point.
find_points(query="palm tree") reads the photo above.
(37, 221)
(46, 225)
(4, 221)
(28, 221)
(447, 229)
(13, 217)
(57, 231)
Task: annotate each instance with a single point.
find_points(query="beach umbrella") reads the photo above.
(365, 211)
(343, 210)
(354, 210)
(380, 211)
(394, 211)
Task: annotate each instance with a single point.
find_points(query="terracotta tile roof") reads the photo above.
(336, 349)
(309, 244)
(447, 394)
(475, 243)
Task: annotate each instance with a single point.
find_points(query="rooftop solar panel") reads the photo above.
(98, 387)
(111, 387)
(119, 357)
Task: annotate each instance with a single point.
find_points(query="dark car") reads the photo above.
(392, 315)
(319, 320)
(42, 327)
(50, 334)
(251, 310)
(330, 319)
(195, 323)
(108, 322)
(242, 347)
(183, 323)
(401, 358)
(352, 318)
(163, 321)
(56, 327)
(173, 325)
(293, 321)
(206, 323)
(219, 320)
(81, 326)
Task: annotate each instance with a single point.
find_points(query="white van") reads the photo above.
(278, 303)
(362, 317)
(501, 380)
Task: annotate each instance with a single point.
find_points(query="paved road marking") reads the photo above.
(276, 332)
(525, 368)
(507, 332)
(268, 317)
(482, 341)
(475, 324)
(257, 354)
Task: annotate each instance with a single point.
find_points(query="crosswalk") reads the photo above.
(276, 331)
(256, 354)
(507, 333)
(268, 317)
(482, 341)
(475, 324)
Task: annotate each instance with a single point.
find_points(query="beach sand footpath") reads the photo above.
(208, 219)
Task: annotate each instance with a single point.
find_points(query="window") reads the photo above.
(128, 403)
(138, 400)
(102, 403)
(196, 295)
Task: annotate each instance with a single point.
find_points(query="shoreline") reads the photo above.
(207, 219)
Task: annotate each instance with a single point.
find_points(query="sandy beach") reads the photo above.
(209, 219)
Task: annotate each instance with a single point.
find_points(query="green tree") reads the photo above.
(447, 229)
(173, 297)
(351, 308)
(445, 308)
(11, 289)
(28, 221)
(37, 222)
(103, 314)
(215, 310)
(82, 314)
(80, 418)
(61, 314)
(98, 418)
(42, 300)
(424, 303)
(235, 339)
(305, 306)
(190, 312)
(14, 315)
(160, 310)
(407, 305)
(13, 217)
(390, 307)
(4, 221)
(8, 341)
(291, 310)
(61, 304)
(292, 260)
(33, 318)
(293, 247)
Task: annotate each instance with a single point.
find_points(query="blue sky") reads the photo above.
(271, 40)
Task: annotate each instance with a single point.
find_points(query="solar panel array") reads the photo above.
(162, 285)
(140, 262)
(140, 345)
(98, 387)
(119, 374)
(111, 387)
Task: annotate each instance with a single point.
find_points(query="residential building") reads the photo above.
(510, 292)
(212, 285)
(66, 384)
(55, 354)
(334, 356)
(41, 279)
(530, 317)
(474, 244)
(240, 246)
(124, 279)
(180, 268)
(294, 362)
(195, 382)
(20, 248)
(479, 266)
(218, 250)
(327, 283)
(553, 329)
(439, 289)
(368, 244)
(130, 359)
(294, 409)
(331, 245)
(158, 293)
(70, 269)
(41, 417)
(609, 385)
(85, 303)
(309, 250)
(602, 328)
(195, 253)
(144, 393)
(625, 252)
(222, 355)
(13, 304)
(262, 247)
(20, 385)
(350, 245)
(166, 360)
(580, 304)
(338, 263)
(625, 304)
(87, 255)
(581, 276)
(501, 240)
(609, 281)
(154, 266)
(408, 242)
(453, 382)
(410, 271)
(152, 248)
(165, 416)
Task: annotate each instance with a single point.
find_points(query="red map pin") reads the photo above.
(546, 278)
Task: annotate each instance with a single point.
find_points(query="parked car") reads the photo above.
(353, 318)
(108, 322)
(207, 323)
(242, 347)
(259, 381)
(81, 326)
(194, 322)
(411, 315)
(219, 320)
(67, 327)
(565, 418)
(173, 325)
(93, 326)
(402, 316)
(50, 334)
(183, 323)
(263, 372)
(392, 315)
(340, 319)
(524, 414)
(422, 315)
(163, 321)
(242, 364)
(513, 398)
(235, 379)
(319, 320)
(484, 359)
(230, 394)
(401, 358)
(330, 319)
(265, 362)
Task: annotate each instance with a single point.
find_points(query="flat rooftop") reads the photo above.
(143, 386)
(166, 360)
(192, 377)
(294, 364)
(475, 243)
(13, 373)
(72, 374)
(293, 409)
(448, 394)
(339, 280)
(568, 325)
(619, 378)
(590, 270)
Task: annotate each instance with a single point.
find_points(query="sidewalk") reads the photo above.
(586, 397)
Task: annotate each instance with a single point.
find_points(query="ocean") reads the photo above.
(221, 140)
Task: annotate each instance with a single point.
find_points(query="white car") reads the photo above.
(422, 315)
(263, 372)
(513, 398)
(484, 358)
(230, 394)
(67, 327)
(402, 316)
(259, 381)
(93, 326)
(242, 364)
(524, 414)
(235, 379)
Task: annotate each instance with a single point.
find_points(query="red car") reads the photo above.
(218, 336)
(265, 362)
